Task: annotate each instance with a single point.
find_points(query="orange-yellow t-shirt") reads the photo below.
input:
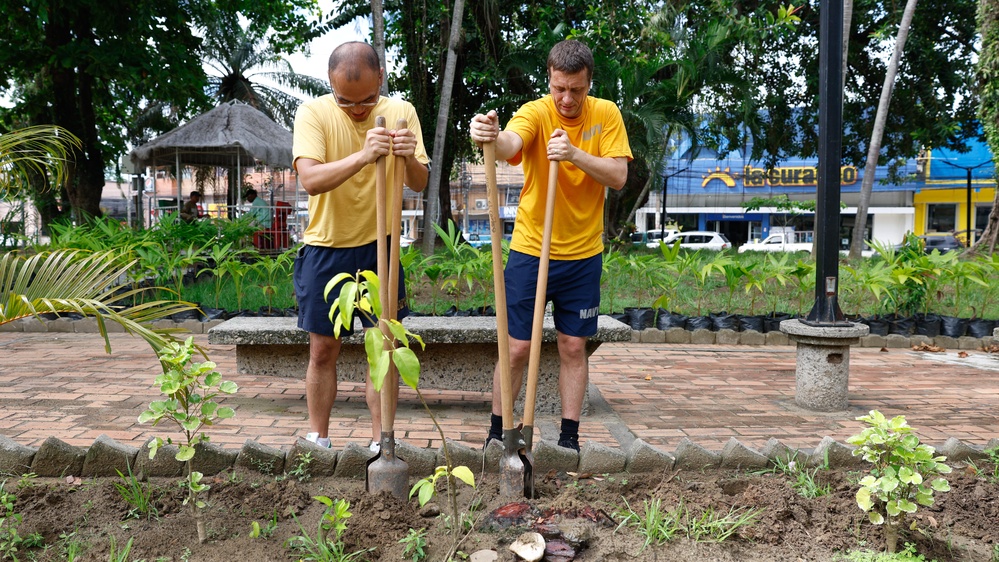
(345, 217)
(578, 223)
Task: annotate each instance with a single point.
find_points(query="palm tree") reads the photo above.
(240, 59)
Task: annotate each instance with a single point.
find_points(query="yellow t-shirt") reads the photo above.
(578, 223)
(345, 217)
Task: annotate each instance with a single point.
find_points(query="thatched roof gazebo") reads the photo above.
(234, 135)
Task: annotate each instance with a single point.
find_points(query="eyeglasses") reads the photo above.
(353, 104)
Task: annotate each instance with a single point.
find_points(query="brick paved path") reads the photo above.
(64, 385)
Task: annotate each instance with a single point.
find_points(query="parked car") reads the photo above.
(790, 241)
(700, 240)
(942, 242)
(651, 238)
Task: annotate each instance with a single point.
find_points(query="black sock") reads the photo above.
(495, 427)
(570, 430)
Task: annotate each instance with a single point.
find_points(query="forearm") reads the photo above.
(508, 144)
(320, 178)
(417, 174)
(611, 172)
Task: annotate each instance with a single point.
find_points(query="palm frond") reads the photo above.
(89, 284)
(42, 149)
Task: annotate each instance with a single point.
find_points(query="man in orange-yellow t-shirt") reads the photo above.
(587, 136)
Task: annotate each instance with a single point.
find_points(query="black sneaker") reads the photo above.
(491, 437)
(569, 443)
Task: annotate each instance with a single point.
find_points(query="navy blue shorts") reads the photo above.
(315, 266)
(573, 288)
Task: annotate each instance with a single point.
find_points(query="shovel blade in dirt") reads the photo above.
(527, 458)
(512, 469)
(387, 472)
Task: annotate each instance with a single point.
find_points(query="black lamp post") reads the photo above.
(826, 311)
(968, 213)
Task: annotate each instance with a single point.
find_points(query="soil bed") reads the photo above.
(581, 509)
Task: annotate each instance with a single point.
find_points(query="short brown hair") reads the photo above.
(356, 55)
(571, 56)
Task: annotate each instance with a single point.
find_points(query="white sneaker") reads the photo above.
(374, 446)
(315, 438)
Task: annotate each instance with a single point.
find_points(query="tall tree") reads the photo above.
(245, 67)
(443, 111)
(874, 147)
(96, 67)
(988, 106)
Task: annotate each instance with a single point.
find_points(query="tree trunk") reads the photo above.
(988, 106)
(378, 29)
(874, 149)
(433, 202)
(847, 16)
(72, 108)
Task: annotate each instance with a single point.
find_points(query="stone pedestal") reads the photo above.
(823, 363)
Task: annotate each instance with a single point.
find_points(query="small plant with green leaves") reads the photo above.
(991, 475)
(655, 524)
(905, 473)
(137, 495)
(11, 540)
(221, 257)
(326, 545)
(659, 525)
(116, 554)
(270, 270)
(300, 471)
(803, 480)
(265, 532)
(26, 480)
(415, 545)
(190, 390)
(425, 488)
(715, 526)
(71, 547)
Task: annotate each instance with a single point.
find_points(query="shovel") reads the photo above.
(385, 471)
(537, 332)
(511, 469)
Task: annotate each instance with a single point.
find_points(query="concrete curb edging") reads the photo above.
(55, 458)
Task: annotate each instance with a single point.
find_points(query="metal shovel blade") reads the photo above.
(527, 457)
(511, 479)
(387, 472)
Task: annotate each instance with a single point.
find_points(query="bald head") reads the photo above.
(352, 58)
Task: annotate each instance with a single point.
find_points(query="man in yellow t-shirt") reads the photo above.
(335, 147)
(587, 136)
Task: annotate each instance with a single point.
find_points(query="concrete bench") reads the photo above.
(461, 352)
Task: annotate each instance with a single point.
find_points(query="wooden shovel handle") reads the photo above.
(392, 304)
(499, 286)
(385, 395)
(540, 299)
